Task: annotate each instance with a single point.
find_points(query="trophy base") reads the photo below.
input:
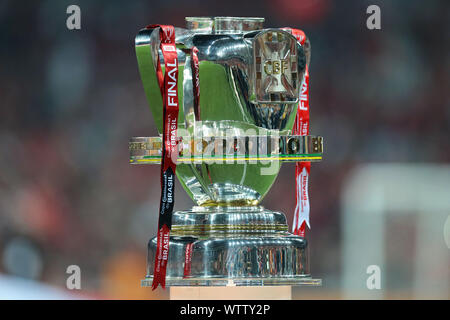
(233, 246)
(227, 282)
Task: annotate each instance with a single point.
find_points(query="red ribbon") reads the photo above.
(302, 169)
(187, 260)
(168, 84)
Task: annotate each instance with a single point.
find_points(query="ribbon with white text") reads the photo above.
(168, 84)
(302, 169)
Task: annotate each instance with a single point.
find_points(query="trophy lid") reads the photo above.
(224, 25)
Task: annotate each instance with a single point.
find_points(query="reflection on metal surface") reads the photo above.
(223, 221)
(237, 257)
(236, 25)
(200, 24)
(230, 150)
(227, 75)
(223, 25)
(287, 148)
(188, 96)
(250, 246)
(230, 101)
(217, 282)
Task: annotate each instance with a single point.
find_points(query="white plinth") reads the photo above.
(231, 293)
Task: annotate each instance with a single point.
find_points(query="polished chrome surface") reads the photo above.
(234, 243)
(284, 148)
(250, 80)
(250, 257)
(200, 24)
(224, 282)
(232, 177)
(236, 257)
(230, 182)
(229, 176)
(188, 98)
(223, 25)
(233, 25)
(224, 221)
(237, 95)
(227, 74)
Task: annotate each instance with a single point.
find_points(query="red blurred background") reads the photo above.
(70, 100)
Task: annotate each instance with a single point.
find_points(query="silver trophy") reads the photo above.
(231, 147)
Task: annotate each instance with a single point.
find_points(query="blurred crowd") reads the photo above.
(70, 100)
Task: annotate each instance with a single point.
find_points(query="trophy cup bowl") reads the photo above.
(250, 80)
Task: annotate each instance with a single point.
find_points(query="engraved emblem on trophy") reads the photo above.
(239, 94)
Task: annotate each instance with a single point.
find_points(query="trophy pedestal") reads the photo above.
(241, 246)
(231, 293)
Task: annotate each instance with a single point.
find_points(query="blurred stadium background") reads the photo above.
(70, 100)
